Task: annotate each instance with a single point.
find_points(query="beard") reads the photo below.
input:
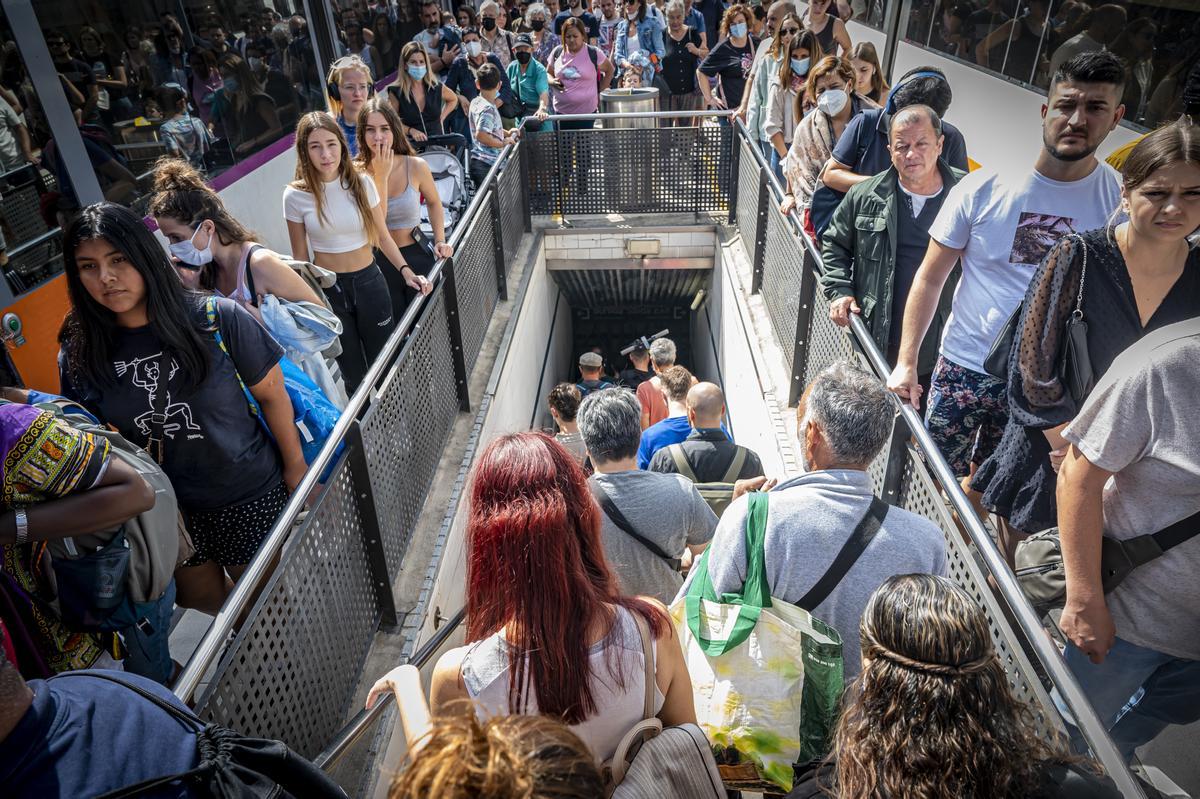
(1069, 157)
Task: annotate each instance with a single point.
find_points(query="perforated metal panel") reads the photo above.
(783, 268)
(649, 170)
(22, 212)
(826, 341)
(406, 429)
(747, 198)
(919, 494)
(475, 277)
(512, 220)
(292, 670)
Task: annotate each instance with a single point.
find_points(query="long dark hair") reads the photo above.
(88, 332)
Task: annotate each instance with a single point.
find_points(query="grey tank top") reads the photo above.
(404, 210)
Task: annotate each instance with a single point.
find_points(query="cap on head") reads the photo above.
(523, 40)
(591, 360)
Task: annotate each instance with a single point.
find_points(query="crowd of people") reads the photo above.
(1044, 321)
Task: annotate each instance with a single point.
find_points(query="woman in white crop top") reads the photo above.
(337, 211)
(402, 178)
(211, 249)
(549, 629)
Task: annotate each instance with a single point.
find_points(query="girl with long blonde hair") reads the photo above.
(337, 210)
(402, 179)
(422, 101)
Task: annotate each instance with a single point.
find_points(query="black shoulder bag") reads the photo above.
(1074, 364)
(614, 514)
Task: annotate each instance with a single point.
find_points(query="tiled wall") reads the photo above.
(609, 243)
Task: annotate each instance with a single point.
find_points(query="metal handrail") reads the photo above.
(1047, 653)
(261, 566)
(641, 115)
(365, 718)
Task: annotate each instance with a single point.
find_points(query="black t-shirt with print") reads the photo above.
(214, 451)
(733, 65)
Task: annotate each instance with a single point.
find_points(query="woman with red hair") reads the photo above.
(551, 633)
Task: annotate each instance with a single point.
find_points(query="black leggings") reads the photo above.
(360, 300)
(421, 262)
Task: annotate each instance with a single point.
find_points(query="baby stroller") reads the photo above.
(447, 157)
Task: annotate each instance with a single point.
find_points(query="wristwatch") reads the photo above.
(22, 525)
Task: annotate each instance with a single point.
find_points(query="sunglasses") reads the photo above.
(790, 31)
(632, 2)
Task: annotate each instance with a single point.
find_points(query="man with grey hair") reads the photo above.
(872, 266)
(649, 393)
(651, 524)
(845, 418)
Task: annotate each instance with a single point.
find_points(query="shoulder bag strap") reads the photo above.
(648, 657)
(614, 513)
(735, 466)
(858, 541)
(681, 462)
(186, 718)
(1179, 532)
(158, 414)
(1082, 278)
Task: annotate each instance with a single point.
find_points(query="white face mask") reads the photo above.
(833, 101)
(186, 251)
(473, 48)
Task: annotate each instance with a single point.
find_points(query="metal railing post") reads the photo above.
(735, 174)
(498, 241)
(526, 202)
(897, 459)
(760, 235)
(372, 535)
(808, 288)
(454, 323)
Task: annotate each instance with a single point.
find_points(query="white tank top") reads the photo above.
(485, 674)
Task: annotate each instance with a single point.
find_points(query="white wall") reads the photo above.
(256, 200)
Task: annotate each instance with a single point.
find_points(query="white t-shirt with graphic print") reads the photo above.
(1006, 224)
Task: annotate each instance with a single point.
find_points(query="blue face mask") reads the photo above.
(416, 73)
(800, 66)
(738, 30)
(231, 85)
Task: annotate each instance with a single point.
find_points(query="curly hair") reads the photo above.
(932, 716)
(564, 399)
(524, 757)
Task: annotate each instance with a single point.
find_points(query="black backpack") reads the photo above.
(232, 765)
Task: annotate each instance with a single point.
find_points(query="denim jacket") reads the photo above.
(650, 38)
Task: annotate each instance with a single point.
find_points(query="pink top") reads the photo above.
(575, 70)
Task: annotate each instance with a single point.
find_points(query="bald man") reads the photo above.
(707, 449)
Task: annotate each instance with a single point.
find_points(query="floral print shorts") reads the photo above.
(966, 414)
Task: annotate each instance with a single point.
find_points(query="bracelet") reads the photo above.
(22, 526)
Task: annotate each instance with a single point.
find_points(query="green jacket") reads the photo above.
(858, 249)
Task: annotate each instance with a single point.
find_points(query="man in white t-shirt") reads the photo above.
(1000, 226)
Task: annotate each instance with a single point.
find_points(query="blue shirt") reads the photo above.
(863, 144)
(351, 133)
(84, 736)
(671, 430)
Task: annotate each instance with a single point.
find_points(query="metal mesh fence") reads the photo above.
(643, 170)
(746, 213)
(509, 189)
(406, 429)
(783, 272)
(475, 279)
(292, 669)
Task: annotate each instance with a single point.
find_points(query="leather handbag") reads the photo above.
(1074, 365)
(672, 762)
(1043, 579)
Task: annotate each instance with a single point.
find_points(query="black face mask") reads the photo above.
(489, 24)
(523, 58)
(537, 24)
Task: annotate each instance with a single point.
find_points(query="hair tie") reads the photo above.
(948, 670)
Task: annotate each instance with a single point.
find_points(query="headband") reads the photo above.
(890, 107)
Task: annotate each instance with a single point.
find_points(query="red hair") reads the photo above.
(536, 568)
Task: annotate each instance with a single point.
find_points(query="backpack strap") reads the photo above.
(858, 541)
(614, 514)
(735, 466)
(682, 465)
(183, 716)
